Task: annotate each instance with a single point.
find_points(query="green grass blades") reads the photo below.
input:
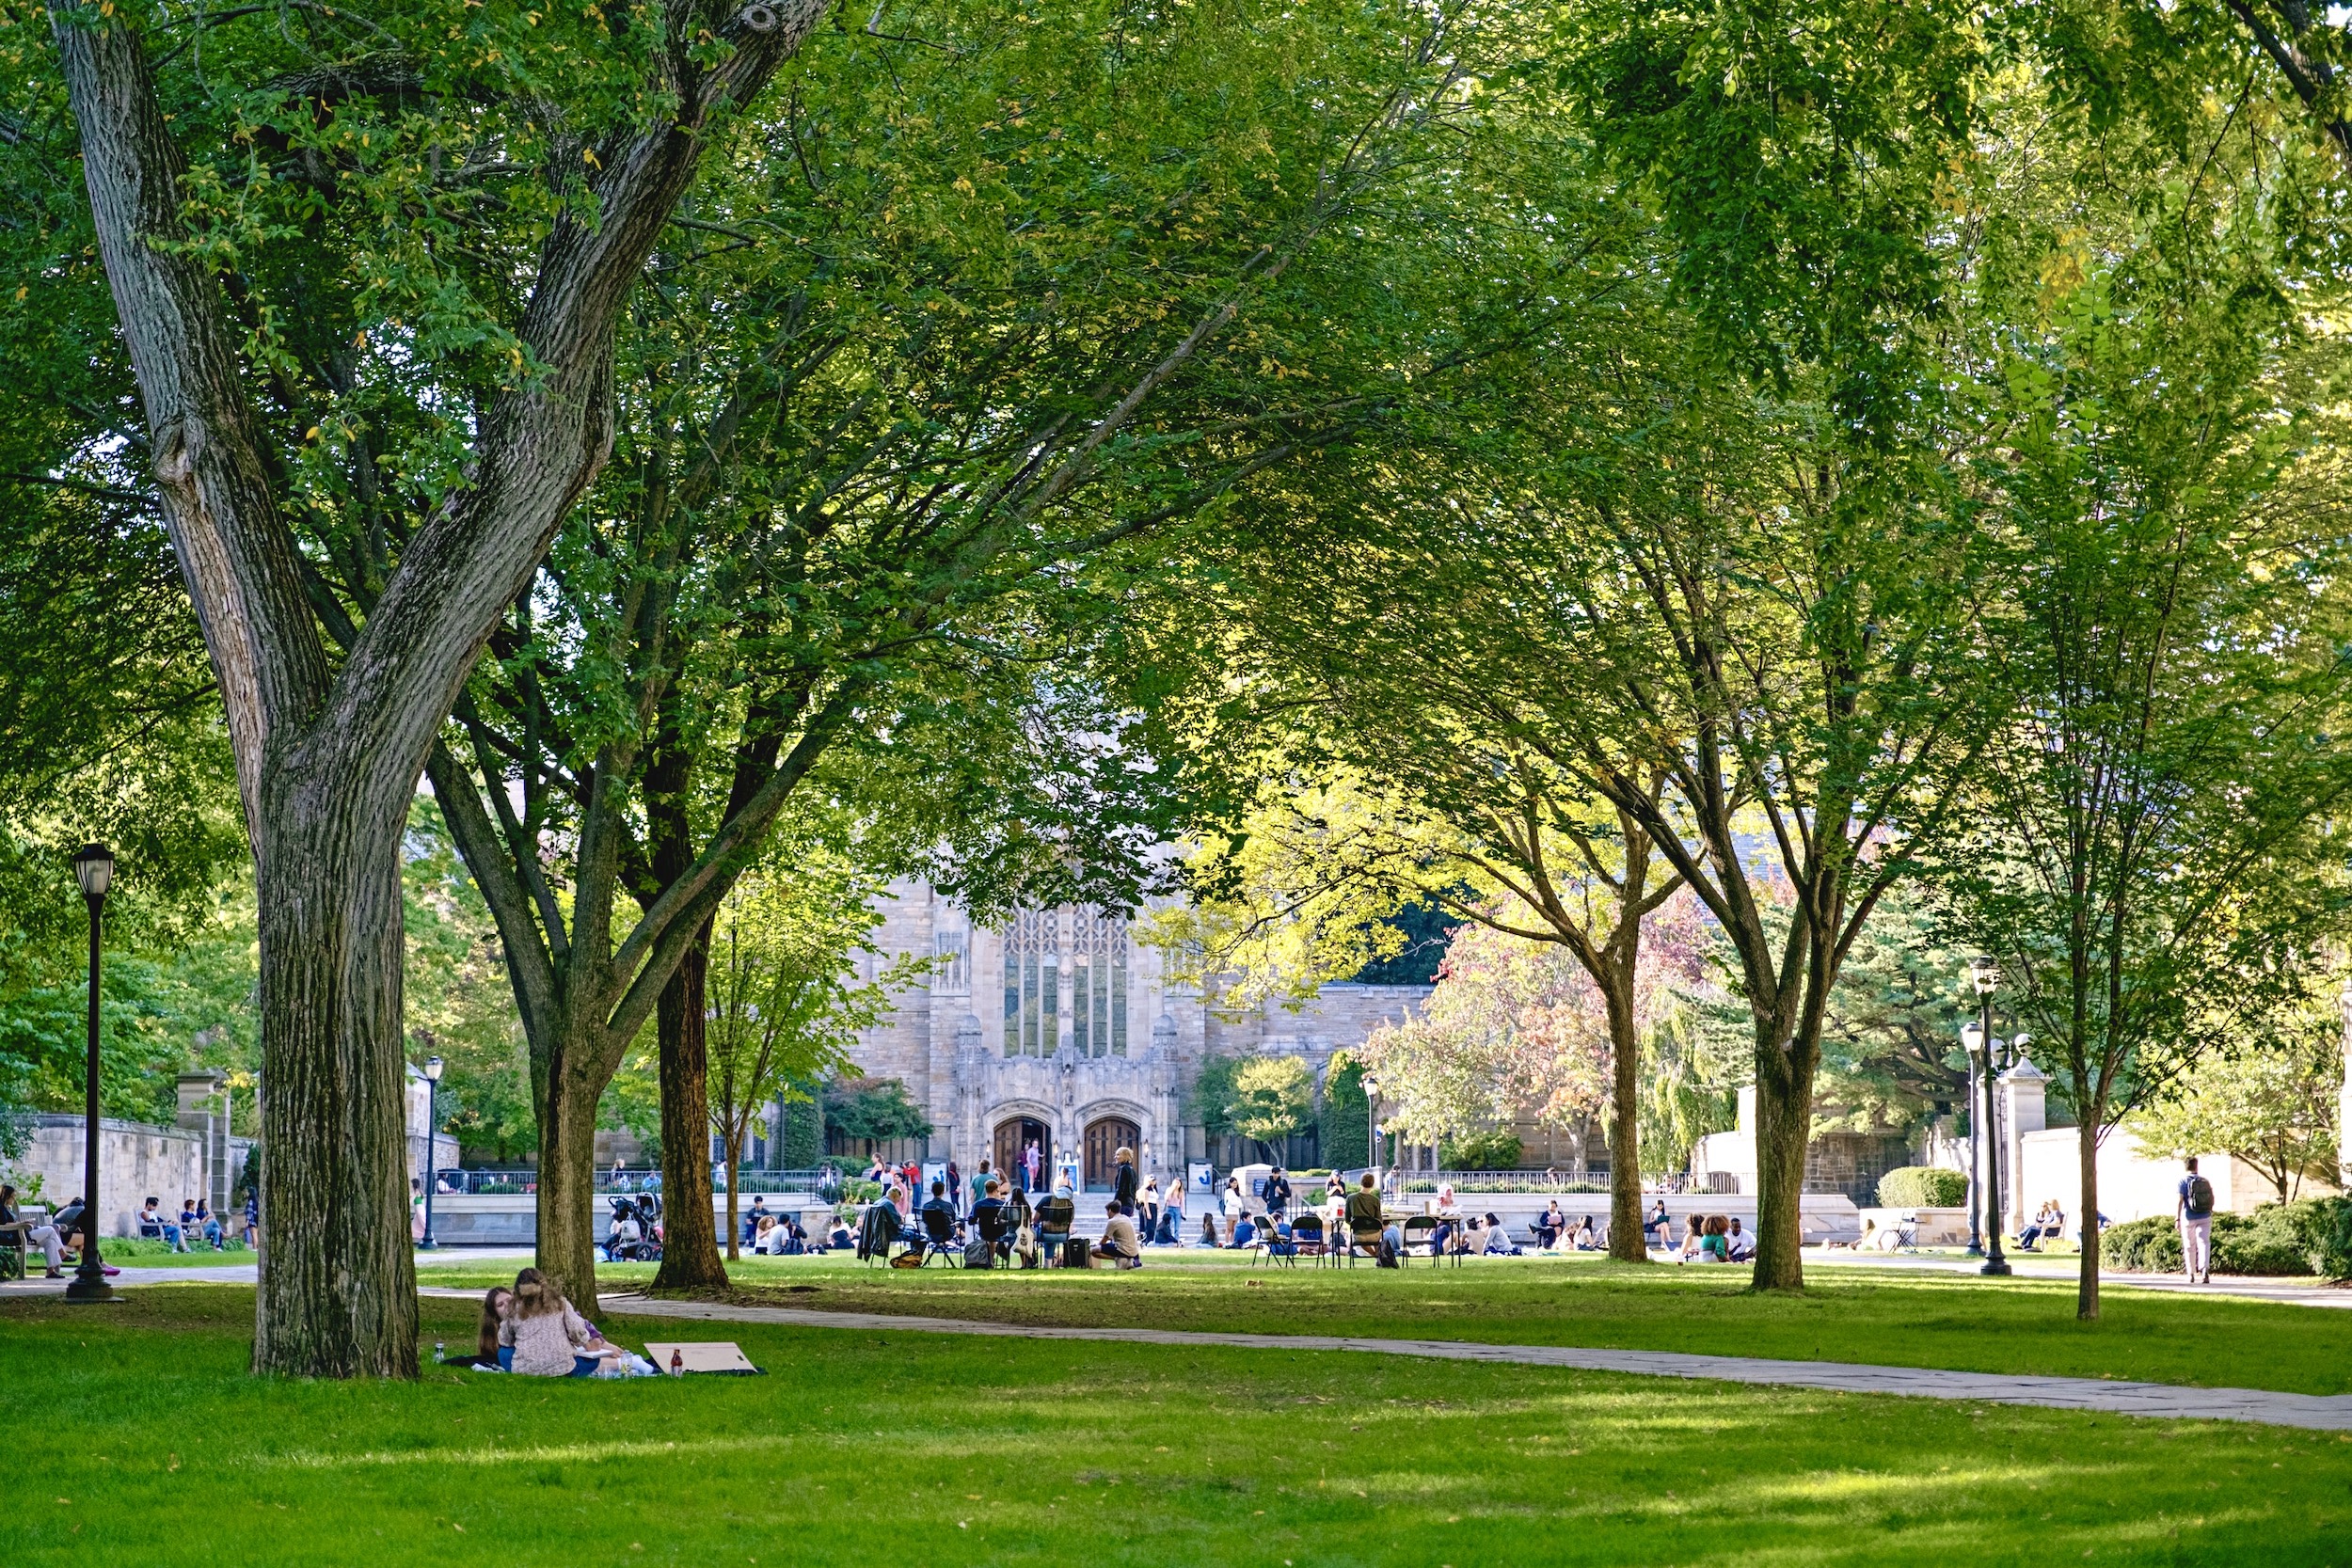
(1889, 1317)
(136, 1436)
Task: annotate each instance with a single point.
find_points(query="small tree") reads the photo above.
(1273, 1098)
(2270, 1102)
(783, 1006)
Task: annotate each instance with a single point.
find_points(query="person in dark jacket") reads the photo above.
(1278, 1194)
(1123, 1184)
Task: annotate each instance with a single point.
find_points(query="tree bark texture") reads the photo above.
(327, 759)
(1784, 1132)
(2087, 1274)
(1628, 1242)
(567, 1176)
(690, 1245)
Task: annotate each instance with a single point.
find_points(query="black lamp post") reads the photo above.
(94, 868)
(1372, 1124)
(432, 1125)
(1986, 974)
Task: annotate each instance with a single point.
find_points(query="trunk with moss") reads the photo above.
(690, 1245)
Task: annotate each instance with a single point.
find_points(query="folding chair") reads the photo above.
(876, 1229)
(939, 1236)
(1308, 1233)
(993, 1225)
(1420, 1230)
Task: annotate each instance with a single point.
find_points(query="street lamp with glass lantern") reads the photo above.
(1372, 1124)
(432, 1125)
(94, 868)
(1985, 974)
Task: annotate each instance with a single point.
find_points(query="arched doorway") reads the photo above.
(1018, 1133)
(1105, 1139)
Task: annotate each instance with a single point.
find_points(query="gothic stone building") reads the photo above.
(1059, 1028)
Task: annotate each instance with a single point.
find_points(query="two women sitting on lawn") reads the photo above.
(550, 1339)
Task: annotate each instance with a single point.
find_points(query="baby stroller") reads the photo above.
(635, 1236)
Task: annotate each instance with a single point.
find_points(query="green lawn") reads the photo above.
(1888, 1317)
(135, 1436)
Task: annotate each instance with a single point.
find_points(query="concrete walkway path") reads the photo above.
(2323, 1412)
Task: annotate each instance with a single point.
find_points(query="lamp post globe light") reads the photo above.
(1985, 976)
(431, 1126)
(1372, 1124)
(94, 868)
(1972, 1047)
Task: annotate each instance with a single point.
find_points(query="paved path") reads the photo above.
(2324, 1411)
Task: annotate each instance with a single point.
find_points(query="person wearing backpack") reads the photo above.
(2195, 1212)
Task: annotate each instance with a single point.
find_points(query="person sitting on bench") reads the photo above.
(30, 1233)
(1119, 1247)
(153, 1221)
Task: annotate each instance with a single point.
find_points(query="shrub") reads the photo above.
(1485, 1151)
(2309, 1236)
(2151, 1245)
(1923, 1187)
(2329, 1236)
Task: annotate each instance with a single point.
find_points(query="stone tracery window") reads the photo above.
(1092, 947)
(1099, 984)
(1033, 984)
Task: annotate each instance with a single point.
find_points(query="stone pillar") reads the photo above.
(2021, 1098)
(204, 1111)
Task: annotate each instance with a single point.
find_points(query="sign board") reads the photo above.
(707, 1355)
(1201, 1177)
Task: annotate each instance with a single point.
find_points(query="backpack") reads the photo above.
(1386, 1257)
(977, 1255)
(2200, 1197)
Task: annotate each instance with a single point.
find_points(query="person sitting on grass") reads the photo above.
(547, 1338)
(1714, 1246)
(1119, 1248)
(1497, 1243)
(1551, 1226)
(1583, 1240)
(1208, 1228)
(1245, 1232)
(1740, 1245)
(489, 1354)
(1693, 1236)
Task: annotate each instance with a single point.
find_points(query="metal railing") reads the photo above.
(1579, 1179)
(524, 1179)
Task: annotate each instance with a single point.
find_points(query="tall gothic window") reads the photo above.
(1033, 984)
(955, 962)
(1098, 988)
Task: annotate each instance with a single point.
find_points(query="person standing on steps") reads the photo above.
(2194, 1210)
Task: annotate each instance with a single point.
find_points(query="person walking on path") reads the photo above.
(2194, 1208)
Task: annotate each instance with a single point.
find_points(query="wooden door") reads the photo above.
(1011, 1138)
(1105, 1139)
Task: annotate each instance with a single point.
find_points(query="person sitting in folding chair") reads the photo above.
(1119, 1248)
(939, 1227)
(1054, 1216)
(876, 1232)
(1364, 1217)
(993, 1221)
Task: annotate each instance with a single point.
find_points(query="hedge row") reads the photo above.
(2309, 1236)
(1923, 1187)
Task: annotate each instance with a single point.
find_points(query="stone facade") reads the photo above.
(1061, 1020)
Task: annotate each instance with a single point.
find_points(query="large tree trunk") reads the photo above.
(338, 1279)
(567, 1176)
(1784, 1130)
(690, 1249)
(1628, 1243)
(2087, 1276)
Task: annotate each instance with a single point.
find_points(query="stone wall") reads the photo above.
(136, 1162)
